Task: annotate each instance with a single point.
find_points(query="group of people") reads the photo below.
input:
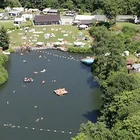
(28, 80)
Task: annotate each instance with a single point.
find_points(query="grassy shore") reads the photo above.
(72, 31)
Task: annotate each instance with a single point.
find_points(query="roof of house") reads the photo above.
(44, 18)
(84, 17)
(52, 11)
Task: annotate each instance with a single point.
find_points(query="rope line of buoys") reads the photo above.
(56, 55)
(38, 129)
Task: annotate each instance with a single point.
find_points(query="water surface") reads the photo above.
(63, 114)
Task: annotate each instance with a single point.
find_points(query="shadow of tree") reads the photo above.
(92, 83)
(92, 115)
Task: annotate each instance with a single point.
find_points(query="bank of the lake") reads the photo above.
(64, 113)
(3, 72)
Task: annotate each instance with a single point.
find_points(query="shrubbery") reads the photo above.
(3, 72)
(79, 50)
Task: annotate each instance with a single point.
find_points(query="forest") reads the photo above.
(122, 7)
(119, 113)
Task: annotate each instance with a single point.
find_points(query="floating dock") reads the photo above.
(61, 91)
(87, 60)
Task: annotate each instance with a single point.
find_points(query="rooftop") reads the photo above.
(44, 18)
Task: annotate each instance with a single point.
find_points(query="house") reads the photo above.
(45, 11)
(83, 19)
(47, 19)
(18, 21)
(14, 13)
(29, 16)
(53, 12)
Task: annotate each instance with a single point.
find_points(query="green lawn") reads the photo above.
(122, 24)
(16, 37)
(7, 24)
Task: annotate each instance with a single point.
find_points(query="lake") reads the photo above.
(31, 111)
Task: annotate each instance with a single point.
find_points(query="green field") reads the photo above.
(7, 24)
(72, 31)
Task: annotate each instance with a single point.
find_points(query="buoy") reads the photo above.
(43, 82)
(7, 102)
(35, 106)
(14, 91)
(24, 61)
(41, 118)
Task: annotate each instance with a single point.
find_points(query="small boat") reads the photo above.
(37, 120)
(24, 61)
(88, 60)
(35, 72)
(7, 53)
(60, 91)
(43, 82)
(43, 70)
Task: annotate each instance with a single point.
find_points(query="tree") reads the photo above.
(114, 86)
(94, 131)
(110, 8)
(108, 51)
(128, 129)
(4, 38)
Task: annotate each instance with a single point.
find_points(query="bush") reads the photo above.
(3, 72)
(79, 50)
(130, 31)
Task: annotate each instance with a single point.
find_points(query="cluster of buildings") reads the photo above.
(50, 16)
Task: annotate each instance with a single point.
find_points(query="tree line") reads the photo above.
(107, 7)
(120, 110)
(4, 44)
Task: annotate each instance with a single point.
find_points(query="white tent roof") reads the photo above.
(40, 43)
(84, 17)
(79, 43)
(19, 19)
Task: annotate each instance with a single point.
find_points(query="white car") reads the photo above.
(82, 26)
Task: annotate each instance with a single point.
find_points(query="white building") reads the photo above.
(83, 19)
(25, 16)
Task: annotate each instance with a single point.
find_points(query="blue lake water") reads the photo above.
(62, 115)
